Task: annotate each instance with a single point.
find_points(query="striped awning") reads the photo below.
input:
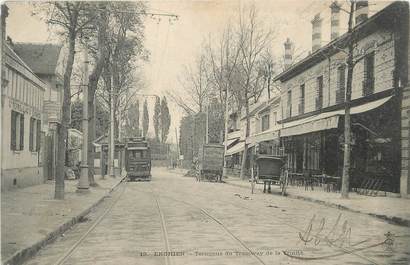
(238, 147)
(326, 120)
(263, 137)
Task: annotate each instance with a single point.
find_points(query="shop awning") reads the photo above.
(264, 136)
(231, 141)
(239, 147)
(327, 120)
(235, 149)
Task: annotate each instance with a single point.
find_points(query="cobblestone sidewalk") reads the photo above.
(31, 215)
(395, 210)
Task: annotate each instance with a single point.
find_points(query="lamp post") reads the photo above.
(111, 141)
(226, 133)
(83, 183)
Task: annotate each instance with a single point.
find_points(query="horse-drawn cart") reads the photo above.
(269, 170)
(210, 162)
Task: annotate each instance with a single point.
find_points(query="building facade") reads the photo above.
(47, 61)
(263, 137)
(22, 118)
(313, 95)
(405, 116)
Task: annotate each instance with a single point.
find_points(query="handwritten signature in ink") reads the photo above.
(339, 235)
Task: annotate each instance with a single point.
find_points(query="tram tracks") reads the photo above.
(63, 258)
(342, 250)
(164, 232)
(209, 216)
(156, 194)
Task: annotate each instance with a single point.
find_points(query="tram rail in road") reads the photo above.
(72, 249)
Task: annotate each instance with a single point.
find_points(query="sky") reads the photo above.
(173, 44)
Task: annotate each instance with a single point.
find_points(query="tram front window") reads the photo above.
(137, 154)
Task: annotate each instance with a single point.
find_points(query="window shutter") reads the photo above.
(38, 135)
(31, 134)
(21, 131)
(13, 131)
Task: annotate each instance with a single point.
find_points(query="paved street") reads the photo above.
(176, 220)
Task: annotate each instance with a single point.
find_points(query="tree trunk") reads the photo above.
(62, 135)
(245, 150)
(92, 87)
(347, 126)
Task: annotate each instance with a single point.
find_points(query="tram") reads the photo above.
(138, 159)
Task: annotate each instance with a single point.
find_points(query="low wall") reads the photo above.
(21, 177)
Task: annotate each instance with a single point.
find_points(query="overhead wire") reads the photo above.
(161, 61)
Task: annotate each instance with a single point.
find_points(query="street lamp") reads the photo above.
(83, 183)
(224, 173)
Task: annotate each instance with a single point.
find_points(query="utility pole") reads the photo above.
(176, 140)
(347, 125)
(226, 133)
(207, 125)
(111, 147)
(120, 162)
(83, 184)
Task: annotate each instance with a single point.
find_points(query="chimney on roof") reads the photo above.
(288, 53)
(362, 11)
(334, 20)
(316, 32)
(4, 15)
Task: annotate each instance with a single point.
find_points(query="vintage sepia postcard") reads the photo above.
(205, 132)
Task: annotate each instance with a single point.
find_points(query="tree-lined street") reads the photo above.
(205, 100)
(175, 220)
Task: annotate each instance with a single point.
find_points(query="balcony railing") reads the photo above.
(368, 86)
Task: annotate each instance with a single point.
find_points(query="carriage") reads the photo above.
(210, 162)
(269, 170)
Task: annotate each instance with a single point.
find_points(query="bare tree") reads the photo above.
(223, 60)
(71, 19)
(125, 47)
(95, 40)
(347, 126)
(253, 39)
(196, 86)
